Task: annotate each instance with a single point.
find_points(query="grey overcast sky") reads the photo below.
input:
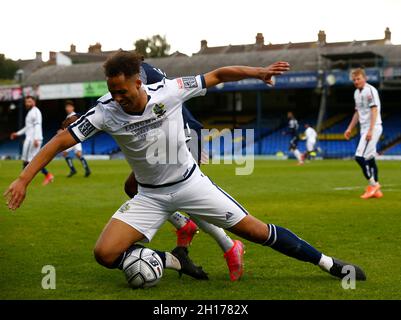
(28, 26)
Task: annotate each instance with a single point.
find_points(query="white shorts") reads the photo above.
(310, 145)
(76, 148)
(198, 196)
(29, 151)
(367, 149)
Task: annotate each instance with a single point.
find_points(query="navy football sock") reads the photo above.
(44, 171)
(374, 171)
(118, 263)
(84, 163)
(364, 166)
(162, 256)
(288, 243)
(70, 164)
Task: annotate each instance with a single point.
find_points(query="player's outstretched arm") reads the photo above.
(15, 194)
(236, 73)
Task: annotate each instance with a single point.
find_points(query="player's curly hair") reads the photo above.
(123, 62)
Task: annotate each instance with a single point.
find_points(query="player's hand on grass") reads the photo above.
(274, 69)
(15, 194)
(347, 134)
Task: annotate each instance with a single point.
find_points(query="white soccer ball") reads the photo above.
(143, 268)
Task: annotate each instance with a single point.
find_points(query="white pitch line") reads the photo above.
(348, 188)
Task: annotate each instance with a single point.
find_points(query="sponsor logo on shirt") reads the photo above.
(141, 129)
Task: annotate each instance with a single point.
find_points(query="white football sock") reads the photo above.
(297, 155)
(178, 220)
(372, 181)
(223, 240)
(326, 262)
(172, 262)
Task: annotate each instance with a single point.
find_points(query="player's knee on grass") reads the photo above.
(131, 186)
(105, 257)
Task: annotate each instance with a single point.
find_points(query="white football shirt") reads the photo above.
(310, 134)
(364, 100)
(33, 125)
(153, 142)
(70, 114)
(293, 124)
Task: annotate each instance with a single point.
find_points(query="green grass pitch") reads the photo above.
(59, 224)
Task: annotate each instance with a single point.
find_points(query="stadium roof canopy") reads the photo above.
(300, 59)
(355, 55)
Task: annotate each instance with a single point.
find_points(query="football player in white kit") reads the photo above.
(146, 122)
(186, 228)
(310, 136)
(77, 149)
(33, 136)
(367, 112)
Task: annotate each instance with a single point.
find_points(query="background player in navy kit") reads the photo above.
(174, 186)
(292, 131)
(186, 228)
(77, 149)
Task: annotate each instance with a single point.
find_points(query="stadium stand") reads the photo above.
(394, 150)
(300, 90)
(100, 144)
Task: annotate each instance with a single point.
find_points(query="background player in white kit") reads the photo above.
(77, 149)
(311, 138)
(143, 120)
(367, 112)
(33, 136)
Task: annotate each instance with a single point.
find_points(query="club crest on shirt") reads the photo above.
(159, 109)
